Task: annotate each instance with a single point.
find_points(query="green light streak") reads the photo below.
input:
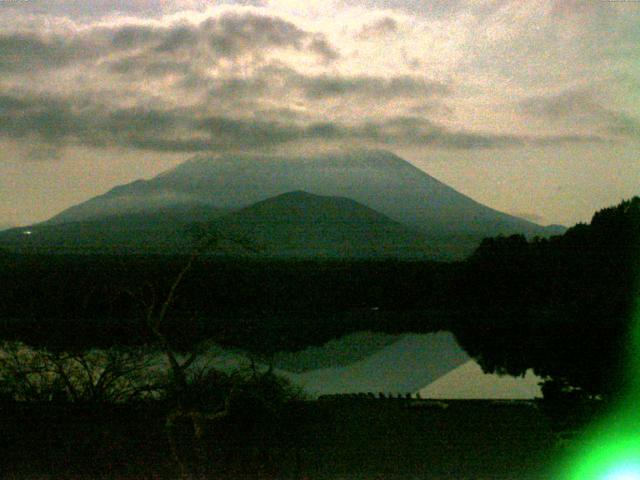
(611, 449)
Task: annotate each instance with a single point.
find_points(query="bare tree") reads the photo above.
(96, 376)
(156, 309)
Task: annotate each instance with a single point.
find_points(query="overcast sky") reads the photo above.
(531, 107)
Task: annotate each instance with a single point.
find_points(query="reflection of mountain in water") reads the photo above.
(432, 364)
(377, 363)
(468, 381)
(407, 365)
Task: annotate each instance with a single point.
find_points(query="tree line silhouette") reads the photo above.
(562, 306)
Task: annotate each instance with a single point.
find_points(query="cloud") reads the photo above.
(201, 78)
(25, 52)
(132, 36)
(228, 36)
(532, 217)
(62, 122)
(562, 105)
(323, 49)
(315, 95)
(99, 9)
(47, 119)
(380, 28)
(324, 86)
(228, 133)
(275, 80)
(623, 124)
(233, 34)
(234, 39)
(582, 107)
(142, 65)
(416, 7)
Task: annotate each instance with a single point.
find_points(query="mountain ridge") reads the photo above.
(291, 225)
(262, 176)
(377, 179)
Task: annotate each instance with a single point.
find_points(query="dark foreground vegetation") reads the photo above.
(353, 439)
(563, 306)
(83, 335)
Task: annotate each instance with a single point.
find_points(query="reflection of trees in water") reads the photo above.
(562, 306)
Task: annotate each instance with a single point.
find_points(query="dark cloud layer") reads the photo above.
(190, 49)
(229, 36)
(324, 86)
(560, 105)
(24, 52)
(435, 9)
(62, 122)
(278, 81)
(232, 35)
(187, 87)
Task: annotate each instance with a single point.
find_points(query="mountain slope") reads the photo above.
(378, 179)
(299, 224)
(294, 224)
(164, 230)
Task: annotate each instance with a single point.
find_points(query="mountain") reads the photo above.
(294, 224)
(378, 179)
(300, 224)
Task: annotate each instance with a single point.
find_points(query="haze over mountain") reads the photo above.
(377, 179)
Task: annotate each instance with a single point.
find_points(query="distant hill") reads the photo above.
(300, 224)
(294, 224)
(164, 230)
